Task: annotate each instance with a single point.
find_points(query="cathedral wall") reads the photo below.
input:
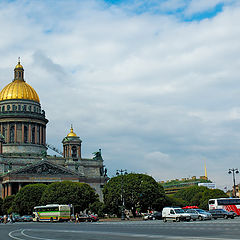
(24, 148)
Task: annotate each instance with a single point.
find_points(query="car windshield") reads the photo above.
(179, 210)
(200, 211)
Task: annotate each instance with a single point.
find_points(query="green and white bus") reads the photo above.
(51, 213)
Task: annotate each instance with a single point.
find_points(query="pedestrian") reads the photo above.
(11, 218)
(5, 219)
(76, 218)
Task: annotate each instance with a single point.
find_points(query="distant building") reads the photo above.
(173, 186)
(208, 185)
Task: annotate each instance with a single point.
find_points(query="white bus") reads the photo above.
(51, 212)
(229, 204)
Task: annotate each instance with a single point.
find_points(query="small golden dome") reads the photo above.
(72, 134)
(19, 65)
(19, 89)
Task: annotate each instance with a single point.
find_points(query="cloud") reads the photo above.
(157, 94)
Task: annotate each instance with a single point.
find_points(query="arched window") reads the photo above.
(74, 152)
(33, 135)
(3, 108)
(12, 133)
(25, 134)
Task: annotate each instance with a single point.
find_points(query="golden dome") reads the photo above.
(19, 89)
(72, 134)
(19, 65)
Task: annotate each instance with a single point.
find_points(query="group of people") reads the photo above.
(7, 219)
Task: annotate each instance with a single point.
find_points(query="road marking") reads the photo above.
(144, 236)
(24, 234)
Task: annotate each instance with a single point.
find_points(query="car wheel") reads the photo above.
(215, 218)
(232, 217)
(51, 220)
(177, 219)
(164, 220)
(225, 216)
(200, 218)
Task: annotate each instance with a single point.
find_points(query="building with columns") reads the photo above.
(23, 158)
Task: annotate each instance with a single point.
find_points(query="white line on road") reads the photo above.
(144, 236)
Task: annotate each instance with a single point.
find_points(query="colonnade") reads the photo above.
(7, 189)
(22, 132)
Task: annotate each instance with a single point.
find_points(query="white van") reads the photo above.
(175, 214)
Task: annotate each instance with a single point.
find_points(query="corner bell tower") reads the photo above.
(72, 147)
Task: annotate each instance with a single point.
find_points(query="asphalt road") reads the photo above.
(128, 230)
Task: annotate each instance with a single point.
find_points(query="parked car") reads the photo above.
(153, 216)
(93, 218)
(156, 216)
(26, 218)
(147, 216)
(175, 214)
(201, 214)
(221, 213)
(235, 215)
(193, 214)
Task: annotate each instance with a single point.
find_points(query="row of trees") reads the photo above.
(81, 195)
(140, 192)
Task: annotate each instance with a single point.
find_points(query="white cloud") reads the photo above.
(144, 88)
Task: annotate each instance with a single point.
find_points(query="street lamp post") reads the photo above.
(233, 171)
(122, 172)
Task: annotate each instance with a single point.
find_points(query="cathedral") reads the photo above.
(23, 147)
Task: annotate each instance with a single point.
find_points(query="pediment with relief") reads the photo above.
(44, 168)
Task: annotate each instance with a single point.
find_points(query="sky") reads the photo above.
(154, 83)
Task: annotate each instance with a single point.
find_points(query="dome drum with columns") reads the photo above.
(22, 122)
(23, 156)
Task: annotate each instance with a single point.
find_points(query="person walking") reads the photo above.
(76, 218)
(5, 219)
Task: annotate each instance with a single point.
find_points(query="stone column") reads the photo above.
(6, 189)
(40, 131)
(29, 133)
(9, 189)
(44, 136)
(22, 132)
(15, 133)
(79, 152)
(70, 151)
(1, 128)
(36, 134)
(8, 133)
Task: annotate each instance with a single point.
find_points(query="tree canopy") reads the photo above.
(80, 195)
(199, 196)
(140, 191)
(28, 197)
(7, 204)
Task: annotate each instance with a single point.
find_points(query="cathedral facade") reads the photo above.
(23, 148)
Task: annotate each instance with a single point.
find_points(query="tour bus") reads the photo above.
(51, 212)
(229, 204)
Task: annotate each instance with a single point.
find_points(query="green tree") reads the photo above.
(97, 208)
(28, 197)
(80, 195)
(199, 196)
(7, 203)
(140, 191)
